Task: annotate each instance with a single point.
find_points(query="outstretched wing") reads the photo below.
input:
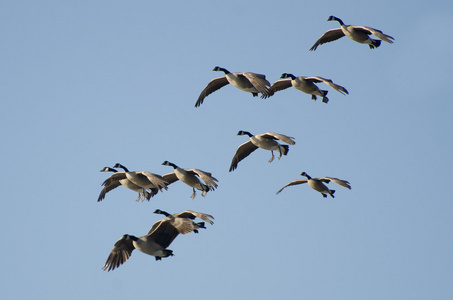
(376, 33)
(157, 180)
(341, 182)
(281, 137)
(259, 82)
(295, 182)
(242, 152)
(329, 82)
(212, 86)
(120, 254)
(206, 177)
(190, 214)
(111, 183)
(170, 178)
(328, 36)
(280, 85)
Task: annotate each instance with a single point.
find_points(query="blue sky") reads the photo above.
(88, 84)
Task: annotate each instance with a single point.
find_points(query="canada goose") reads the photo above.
(245, 81)
(318, 185)
(159, 237)
(306, 85)
(119, 178)
(359, 34)
(144, 179)
(189, 177)
(267, 141)
(188, 214)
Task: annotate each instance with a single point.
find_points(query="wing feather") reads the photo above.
(376, 33)
(329, 82)
(242, 152)
(280, 85)
(328, 36)
(341, 182)
(212, 86)
(120, 253)
(295, 182)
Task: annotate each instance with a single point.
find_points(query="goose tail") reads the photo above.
(375, 44)
(284, 149)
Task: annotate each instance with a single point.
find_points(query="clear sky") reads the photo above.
(87, 84)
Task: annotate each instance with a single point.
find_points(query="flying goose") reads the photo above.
(359, 34)
(267, 141)
(159, 237)
(188, 214)
(245, 81)
(144, 179)
(318, 184)
(306, 85)
(190, 177)
(119, 178)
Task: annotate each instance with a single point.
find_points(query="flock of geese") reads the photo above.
(147, 184)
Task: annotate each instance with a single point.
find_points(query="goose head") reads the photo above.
(161, 212)
(118, 165)
(288, 75)
(305, 174)
(108, 169)
(167, 163)
(221, 69)
(243, 132)
(333, 18)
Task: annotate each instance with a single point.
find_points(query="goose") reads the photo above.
(159, 237)
(359, 34)
(188, 214)
(318, 184)
(144, 179)
(267, 141)
(306, 85)
(245, 81)
(119, 178)
(190, 177)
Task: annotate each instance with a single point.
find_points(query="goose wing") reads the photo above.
(295, 182)
(108, 188)
(111, 183)
(120, 253)
(206, 177)
(278, 136)
(114, 177)
(259, 82)
(242, 152)
(157, 180)
(165, 231)
(328, 36)
(190, 214)
(170, 177)
(376, 33)
(212, 86)
(341, 182)
(329, 82)
(280, 85)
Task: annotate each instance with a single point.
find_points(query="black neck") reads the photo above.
(247, 133)
(338, 20)
(122, 167)
(224, 70)
(163, 212)
(167, 163)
